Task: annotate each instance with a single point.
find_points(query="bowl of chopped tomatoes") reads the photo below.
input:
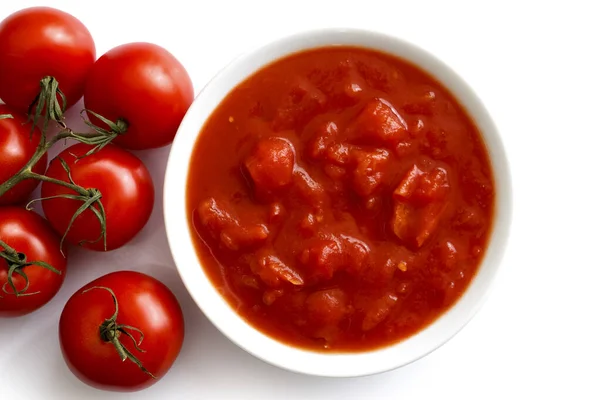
(338, 202)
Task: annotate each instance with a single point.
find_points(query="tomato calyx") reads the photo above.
(110, 331)
(91, 199)
(47, 103)
(104, 136)
(17, 262)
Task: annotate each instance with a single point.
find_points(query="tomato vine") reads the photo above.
(47, 107)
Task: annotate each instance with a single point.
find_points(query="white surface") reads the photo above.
(536, 67)
(208, 298)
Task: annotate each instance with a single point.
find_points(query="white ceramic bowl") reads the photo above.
(218, 310)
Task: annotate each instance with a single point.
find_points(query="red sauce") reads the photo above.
(340, 199)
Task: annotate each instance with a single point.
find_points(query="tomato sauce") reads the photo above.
(340, 199)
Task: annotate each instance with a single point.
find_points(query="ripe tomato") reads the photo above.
(38, 42)
(145, 306)
(17, 146)
(146, 86)
(127, 195)
(34, 240)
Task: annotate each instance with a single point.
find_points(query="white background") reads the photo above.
(536, 65)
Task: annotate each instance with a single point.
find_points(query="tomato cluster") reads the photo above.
(95, 194)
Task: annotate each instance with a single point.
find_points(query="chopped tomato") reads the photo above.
(271, 164)
(381, 123)
(348, 205)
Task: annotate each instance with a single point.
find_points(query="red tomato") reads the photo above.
(38, 42)
(32, 237)
(146, 86)
(127, 195)
(145, 306)
(17, 146)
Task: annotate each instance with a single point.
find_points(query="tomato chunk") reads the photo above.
(226, 227)
(423, 187)
(271, 164)
(357, 252)
(273, 271)
(327, 306)
(378, 311)
(349, 86)
(302, 103)
(236, 237)
(214, 217)
(352, 86)
(339, 153)
(413, 226)
(323, 257)
(308, 188)
(434, 186)
(449, 254)
(409, 184)
(369, 172)
(327, 254)
(393, 261)
(423, 102)
(429, 219)
(379, 122)
(420, 200)
(322, 139)
(402, 221)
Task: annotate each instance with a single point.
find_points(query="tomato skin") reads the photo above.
(144, 303)
(127, 195)
(30, 234)
(41, 41)
(145, 85)
(17, 146)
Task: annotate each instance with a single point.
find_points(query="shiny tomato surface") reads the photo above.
(341, 199)
(144, 85)
(37, 42)
(145, 307)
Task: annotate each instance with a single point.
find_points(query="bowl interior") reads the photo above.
(218, 310)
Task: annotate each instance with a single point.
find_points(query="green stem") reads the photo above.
(17, 262)
(44, 178)
(90, 198)
(9, 253)
(50, 104)
(98, 139)
(110, 331)
(26, 171)
(46, 105)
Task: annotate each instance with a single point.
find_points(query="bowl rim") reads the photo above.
(216, 308)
